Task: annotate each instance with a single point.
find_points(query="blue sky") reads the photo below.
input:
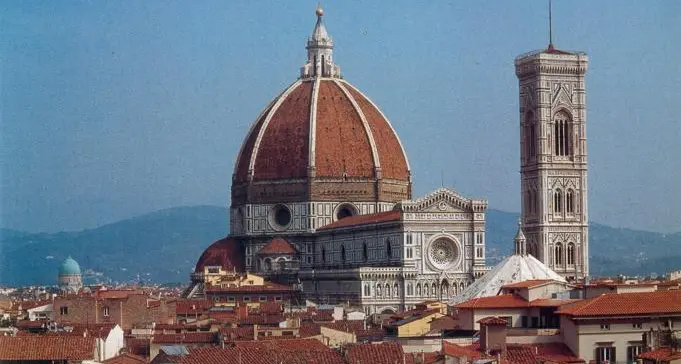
(116, 108)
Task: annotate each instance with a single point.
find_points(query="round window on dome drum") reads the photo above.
(345, 210)
(280, 217)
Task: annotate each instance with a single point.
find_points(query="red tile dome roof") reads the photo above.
(226, 253)
(324, 124)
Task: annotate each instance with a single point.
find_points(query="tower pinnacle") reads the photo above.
(319, 52)
(520, 241)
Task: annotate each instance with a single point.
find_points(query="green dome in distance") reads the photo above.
(69, 267)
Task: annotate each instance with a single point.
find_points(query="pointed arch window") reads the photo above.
(558, 258)
(387, 290)
(388, 249)
(571, 254)
(434, 289)
(561, 134)
(558, 201)
(530, 135)
(410, 289)
(426, 290)
(323, 255)
(396, 290)
(365, 253)
(378, 290)
(343, 253)
(367, 289)
(418, 289)
(570, 201)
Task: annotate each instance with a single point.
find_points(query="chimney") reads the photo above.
(492, 334)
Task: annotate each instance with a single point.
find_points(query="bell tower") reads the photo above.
(553, 158)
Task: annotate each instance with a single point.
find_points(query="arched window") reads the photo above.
(343, 253)
(462, 287)
(388, 249)
(396, 290)
(558, 259)
(571, 254)
(530, 135)
(418, 289)
(378, 290)
(455, 288)
(410, 289)
(323, 255)
(387, 290)
(426, 290)
(561, 134)
(268, 264)
(570, 201)
(367, 289)
(281, 264)
(558, 201)
(434, 289)
(365, 253)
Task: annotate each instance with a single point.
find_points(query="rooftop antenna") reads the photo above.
(550, 27)
(442, 178)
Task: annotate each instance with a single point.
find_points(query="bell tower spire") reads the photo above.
(319, 52)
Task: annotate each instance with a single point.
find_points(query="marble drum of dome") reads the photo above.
(443, 253)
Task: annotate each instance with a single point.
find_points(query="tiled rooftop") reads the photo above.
(278, 246)
(611, 304)
(383, 353)
(528, 284)
(47, 348)
(126, 358)
(367, 219)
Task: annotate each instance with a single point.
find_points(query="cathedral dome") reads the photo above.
(321, 128)
(69, 267)
(225, 253)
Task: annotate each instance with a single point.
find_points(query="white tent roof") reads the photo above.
(515, 268)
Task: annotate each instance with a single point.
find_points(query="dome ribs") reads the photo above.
(394, 163)
(342, 145)
(283, 150)
(226, 253)
(244, 157)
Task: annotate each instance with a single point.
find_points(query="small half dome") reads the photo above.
(69, 267)
(226, 253)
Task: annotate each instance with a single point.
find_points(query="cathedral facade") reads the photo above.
(322, 197)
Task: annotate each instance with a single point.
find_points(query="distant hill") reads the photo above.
(163, 247)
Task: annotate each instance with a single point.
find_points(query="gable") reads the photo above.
(442, 200)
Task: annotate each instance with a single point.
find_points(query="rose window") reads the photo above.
(442, 253)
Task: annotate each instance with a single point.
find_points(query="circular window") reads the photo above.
(280, 217)
(442, 253)
(345, 210)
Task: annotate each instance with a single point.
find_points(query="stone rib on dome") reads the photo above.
(515, 268)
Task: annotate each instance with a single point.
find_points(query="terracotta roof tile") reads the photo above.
(47, 348)
(191, 307)
(126, 358)
(367, 219)
(278, 246)
(283, 151)
(640, 303)
(662, 354)
(383, 353)
(242, 164)
(226, 253)
(393, 161)
(493, 320)
(185, 338)
(260, 352)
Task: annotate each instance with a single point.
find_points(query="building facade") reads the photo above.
(322, 197)
(553, 163)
